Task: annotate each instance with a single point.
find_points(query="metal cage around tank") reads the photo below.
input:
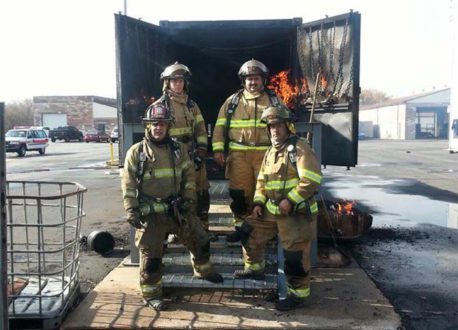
(43, 241)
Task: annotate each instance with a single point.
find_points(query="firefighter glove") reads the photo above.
(219, 158)
(256, 212)
(202, 153)
(285, 207)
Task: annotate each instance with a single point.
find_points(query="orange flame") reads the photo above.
(324, 82)
(345, 208)
(288, 92)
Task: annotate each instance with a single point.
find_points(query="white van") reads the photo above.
(20, 140)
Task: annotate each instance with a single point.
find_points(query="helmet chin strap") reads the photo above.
(163, 141)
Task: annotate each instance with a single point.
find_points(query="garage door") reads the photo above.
(54, 120)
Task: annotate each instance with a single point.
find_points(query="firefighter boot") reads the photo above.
(291, 302)
(156, 304)
(233, 237)
(213, 277)
(249, 273)
(236, 235)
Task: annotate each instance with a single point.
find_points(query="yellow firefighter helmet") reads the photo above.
(253, 67)
(176, 71)
(276, 114)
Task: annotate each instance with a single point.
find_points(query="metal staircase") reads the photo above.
(226, 257)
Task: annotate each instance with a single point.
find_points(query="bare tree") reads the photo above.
(18, 114)
(372, 96)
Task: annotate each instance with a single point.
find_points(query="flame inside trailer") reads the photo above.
(291, 93)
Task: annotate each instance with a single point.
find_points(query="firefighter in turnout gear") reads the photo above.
(240, 135)
(159, 196)
(188, 127)
(284, 204)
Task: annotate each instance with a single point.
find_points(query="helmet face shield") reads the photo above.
(176, 71)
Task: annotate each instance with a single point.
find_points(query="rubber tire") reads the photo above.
(42, 151)
(22, 151)
(53, 140)
(67, 139)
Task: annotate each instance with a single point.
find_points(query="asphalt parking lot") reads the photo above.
(84, 163)
(411, 254)
(410, 188)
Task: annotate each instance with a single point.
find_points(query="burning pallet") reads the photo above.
(341, 219)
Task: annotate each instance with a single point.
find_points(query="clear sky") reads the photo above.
(66, 47)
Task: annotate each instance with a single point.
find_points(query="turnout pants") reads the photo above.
(242, 169)
(203, 196)
(295, 233)
(150, 244)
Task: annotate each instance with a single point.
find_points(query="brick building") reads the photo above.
(83, 112)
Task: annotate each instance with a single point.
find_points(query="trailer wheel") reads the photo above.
(22, 151)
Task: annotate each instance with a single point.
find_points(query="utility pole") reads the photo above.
(3, 242)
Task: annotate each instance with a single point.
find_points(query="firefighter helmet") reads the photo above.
(253, 67)
(157, 112)
(176, 71)
(276, 114)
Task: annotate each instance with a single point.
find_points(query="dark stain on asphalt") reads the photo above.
(415, 268)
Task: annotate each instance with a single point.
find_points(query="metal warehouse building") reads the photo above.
(83, 112)
(407, 118)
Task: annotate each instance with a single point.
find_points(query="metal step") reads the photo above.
(221, 244)
(220, 220)
(189, 281)
(223, 269)
(219, 190)
(217, 258)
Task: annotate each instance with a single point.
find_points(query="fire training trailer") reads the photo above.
(314, 67)
(215, 50)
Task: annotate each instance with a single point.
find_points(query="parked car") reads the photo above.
(20, 140)
(93, 135)
(66, 133)
(114, 135)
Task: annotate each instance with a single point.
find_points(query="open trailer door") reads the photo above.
(331, 48)
(140, 52)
